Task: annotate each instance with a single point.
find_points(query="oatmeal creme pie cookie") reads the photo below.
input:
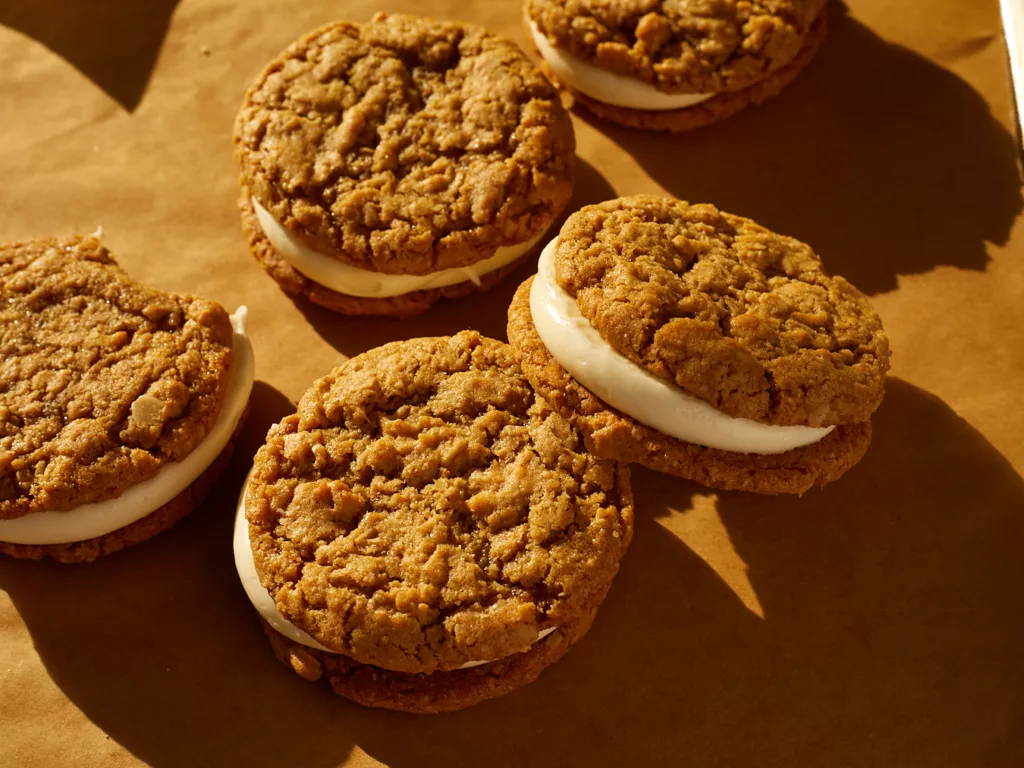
(118, 402)
(673, 65)
(425, 532)
(702, 345)
(385, 165)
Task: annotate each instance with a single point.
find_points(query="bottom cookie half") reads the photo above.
(162, 519)
(295, 283)
(429, 693)
(714, 109)
(611, 434)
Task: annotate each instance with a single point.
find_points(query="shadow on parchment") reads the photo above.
(114, 43)
(884, 162)
(894, 616)
(157, 644)
(484, 311)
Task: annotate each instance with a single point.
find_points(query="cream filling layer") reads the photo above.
(264, 603)
(649, 399)
(609, 87)
(103, 517)
(364, 283)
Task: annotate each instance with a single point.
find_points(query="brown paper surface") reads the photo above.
(879, 622)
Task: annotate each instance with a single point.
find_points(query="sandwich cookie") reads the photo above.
(385, 165)
(674, 65)
(701, 344)
(425, 532)
(118, 402)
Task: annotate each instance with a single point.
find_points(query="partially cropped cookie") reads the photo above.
(118, 402)
(703, 345)
(389, 164)
(674, 65)
(425, 532)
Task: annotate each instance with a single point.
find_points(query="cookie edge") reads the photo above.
(156, 522)
(293, 282)
(433, 693)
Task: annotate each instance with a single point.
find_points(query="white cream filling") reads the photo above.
(624, 385)
(365, 283)
(258, 596)
(103, 517)
(609, 87)
(264, 603)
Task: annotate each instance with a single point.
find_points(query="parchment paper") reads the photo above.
(879, 622)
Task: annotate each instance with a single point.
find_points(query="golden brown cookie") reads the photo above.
(758, 51)
(403, 146)
(424, 513)
(104, 385)
(737, 315)
(726, 312)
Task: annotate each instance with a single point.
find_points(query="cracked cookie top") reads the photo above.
(734, 314)
(406, 145)
(424, 508)
(102, 380)
(680, 46)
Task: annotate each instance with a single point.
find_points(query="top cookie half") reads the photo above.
(406, 145)
(424, 509)
(680, 46)
(741, 317)
(102, 380)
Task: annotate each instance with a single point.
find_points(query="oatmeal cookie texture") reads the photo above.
(406, 145)
(102, 380)
(680, 46)
(741, 317)
(424, 509)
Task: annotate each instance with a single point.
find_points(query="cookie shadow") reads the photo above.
(114, 43)
(893, 606)
(267, 406)
(884, 162)
(894, 598)
(159, 647)
(483, 311)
